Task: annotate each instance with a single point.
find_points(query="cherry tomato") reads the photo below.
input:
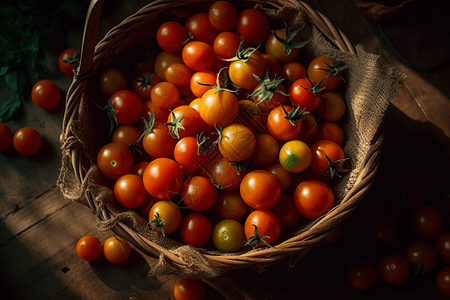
(127, 135)
(27, 141)
(266, 150)
(226, 44)
(199, 55)
(143, 61)
(285, 177)
(293, 71)
(318, 70)
(195, 230)
(168, 212)
(313, 199)
(242, 72)
(219, 108)
(206, 77)
(165, 59)
(171, 36)
(115, 160)
(277, 49)
(302, 93)
(332, 107)
(46, 94)
(158, 142)
(163, 178)
(330, 131)
(393, 269)
(89, 248)
(283, 128)
(286, 211)
(144, 209)
(253, 25)
(228, 235)
(237, 142)
(225, 174)
(275, 97)
(112, 80)
(443, 247)
(178, 74)
(198, 193)
(161, 114)
(201, 29)
(251, 116)
(116, 250)
(229, 205)
(165, 95)
(222, 15)
(309, 127)
(443, 281)
(385, 229)
(129, 191)
(267, 224)
(143, 85)
(189, 289)
(361, 275)
(427, 222)
(6, 137)
(186, 153)
(422, 256)
(128, 106)
(295, 156)
(273, 66)
(68, 60)
(138, 169)
(184, 121)
(320, 150)
(260, 189)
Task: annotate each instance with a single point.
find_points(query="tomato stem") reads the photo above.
(288, 41)
(294, 115)
(267, 88)
(158, 223)
(175, 125)
(334, 168)
(243, 54)
(148, 125)
(256, 239)
(222, 87)
(333, 69)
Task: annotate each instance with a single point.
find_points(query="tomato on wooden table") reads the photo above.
(260, 189)
(422, 256)
(46, 94)
(89, 248)
(313, 199)
(27, 141)
(115, 160)
(189, 289)
(195, 229)
(6, 137)
(267, 224)
(393, 269)
(427, 222)
(442, 245)
(163, 178)
(361, 275)
(116, 250)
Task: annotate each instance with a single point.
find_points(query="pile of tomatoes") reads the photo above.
(238, 137)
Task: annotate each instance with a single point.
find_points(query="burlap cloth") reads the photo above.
(370, 86)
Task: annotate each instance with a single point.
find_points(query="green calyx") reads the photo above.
(226, 86)
(334, 69)
(111, 113)
(267, 88)
(218, 185)
(334, 168)
(73, 60)
(144, 80)
(294, 115)
(202, 143)
(255, 239)
(316, 89)
(242, 54)
(288, 41)
(158, 223)
(148, 125)
(175, 125)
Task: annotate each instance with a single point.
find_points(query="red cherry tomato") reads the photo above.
(313, 198)
(198, 193)
(260, 189)
(222, 15)
(443, 281)
(361, 275)
(301, 93)
(27, 141)
(46, 94)
(267, 224)
(129, 191)
(115, 160)
(443, 247)
(393, 269)
(427, 222)
(68, 60)
(89, 248)
(229, 205)
(422, 256)
(112, 80)
(116, 250)
(199, 55)
(253, 25)
(169, 213)
(201, 29)
(128, 106)
(189, 289)
(196, 230)
(6, 137)
(163, 178)
(171, 36)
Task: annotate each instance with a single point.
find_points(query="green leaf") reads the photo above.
(8, 108)
(3, 70)
(10, 12)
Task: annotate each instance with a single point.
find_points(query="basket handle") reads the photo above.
(89, 39)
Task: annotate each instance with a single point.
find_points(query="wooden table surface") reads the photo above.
(39, 228)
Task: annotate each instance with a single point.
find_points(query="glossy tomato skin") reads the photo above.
(443, 247)
(266, 150)
(189, 289)
(300, 94)
(163, 60)
(241, 72)
(276, 49)
(206, 77)
(293, 71)
(46, 94)
(295, 156)
(188, 117)
(253, 25)
(286, 212)
(186, 154)
(115, 160)
(332, 107)
(315, 74)
(313, 199)
(393, 269)
(195, 229)
(222, 15)
(309, 128)
(163, 178)
(198, 193)
(116, 250)
(199, 55)
(319, 163)
(165, 95)
(225, 174)
(199, 26)
(89, 248)
(219, 108)
(260, 189)
(178, 74)
(27, 141)
(171, 36)
(66, 60)
(143, 85)
(330, 131)
(128, 106)
(284, 176)
(226, 44)
(138, 169)
(169, 212)
(422, 255)
(127, 135)
(228, 235)
(161, 114)
(443, 281)
(158, 142)
(361, 275)
(281, 128)
(237, 142)
(6, 137)
(427, 222)
(267, 224)
(112, 80)
(129, 191)
(229, 205)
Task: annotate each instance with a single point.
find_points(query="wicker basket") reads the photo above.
(79, 155)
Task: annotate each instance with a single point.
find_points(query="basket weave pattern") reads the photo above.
(370, 86)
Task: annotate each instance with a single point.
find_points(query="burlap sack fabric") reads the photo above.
(370, 85)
